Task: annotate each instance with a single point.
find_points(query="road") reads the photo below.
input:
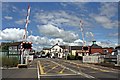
(69, 70)
(58, 69)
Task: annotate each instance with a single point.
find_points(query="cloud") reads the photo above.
(60, 17)
(107, 15)
(44, 41)
(21, 22)
(103, 43)
(14, 8)
(8, 17)
(37, 47)
(12, 34)
(109, 9)
(113, 35)
(55, 32)
(38, 40)
(104, 21)
(106, 44)
(89, 36)
(78, 41)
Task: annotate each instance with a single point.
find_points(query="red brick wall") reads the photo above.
(96, 50)
(109, 49)
(100, 50)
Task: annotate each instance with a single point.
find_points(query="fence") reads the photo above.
(93, 59)
(9, 58)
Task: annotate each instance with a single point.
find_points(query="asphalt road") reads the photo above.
(58, 69)
(69, 70)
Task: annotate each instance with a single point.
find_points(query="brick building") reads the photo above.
(98, 49)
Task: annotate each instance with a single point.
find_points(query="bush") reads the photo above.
(9, 62)
(70, 57)
(78, 57)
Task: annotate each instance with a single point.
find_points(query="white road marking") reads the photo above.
(59, 75)
(38, 71)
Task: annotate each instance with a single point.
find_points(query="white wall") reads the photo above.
(56, 49)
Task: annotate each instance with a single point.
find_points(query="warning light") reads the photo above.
(26, 45)
(85, 48)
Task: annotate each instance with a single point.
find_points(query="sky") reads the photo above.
(51, 22)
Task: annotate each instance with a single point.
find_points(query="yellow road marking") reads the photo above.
(62, 71)
(41, 68)
(46, 66)
(51, 68)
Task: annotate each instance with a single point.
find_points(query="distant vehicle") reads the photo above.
(39, 56)
(35, 56)
(43, 55)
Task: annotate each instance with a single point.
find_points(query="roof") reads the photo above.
(64, 46)
(95, 46)
(11, 44)
(46, 48)
(55, 45)
(117, 47)
(76, 47)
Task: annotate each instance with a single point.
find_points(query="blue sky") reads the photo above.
(53, 21)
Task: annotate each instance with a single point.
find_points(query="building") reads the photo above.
(76, 50)
(96, 49)
(56, 51)
(46, 50)
(11, 49)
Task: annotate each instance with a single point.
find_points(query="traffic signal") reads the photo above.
(85, 48)
(26, 45)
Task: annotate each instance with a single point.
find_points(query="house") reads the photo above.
(79, 50)
(56, 51)
(94, 48)
(46, 50)
(76, 49)
(61, 51)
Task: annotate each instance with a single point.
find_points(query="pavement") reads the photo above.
(15, 73)
(59, 69)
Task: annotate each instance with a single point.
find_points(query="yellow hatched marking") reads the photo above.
(52, 69)
(46, 66)
(62, 71)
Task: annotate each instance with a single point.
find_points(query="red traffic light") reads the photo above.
(26, 45)
(85, 48)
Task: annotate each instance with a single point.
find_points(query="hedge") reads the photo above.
(9, 62)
